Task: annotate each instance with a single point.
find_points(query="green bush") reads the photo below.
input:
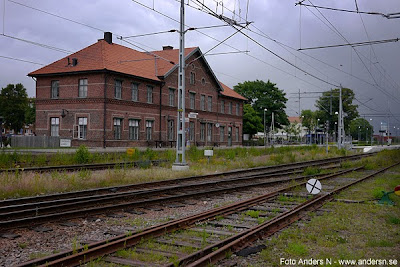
(82, 155)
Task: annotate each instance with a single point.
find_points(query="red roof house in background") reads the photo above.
(111, 95)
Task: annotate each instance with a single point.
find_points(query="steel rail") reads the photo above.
(268, 228)
(39, 207)
(19, 201)
(95, 250)
(93, 166)
(36, 218)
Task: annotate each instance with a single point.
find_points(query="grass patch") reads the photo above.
(21, 184)
(348, 231)
(296, 249)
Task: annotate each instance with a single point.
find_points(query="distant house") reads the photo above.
(111, 95)
(293, 131)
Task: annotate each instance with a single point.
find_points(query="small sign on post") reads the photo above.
(65, 142)
(208, 153)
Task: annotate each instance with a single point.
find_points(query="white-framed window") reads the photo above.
(230, 108)
(191, 131)
(55, 89)
(209, 132)
(134, 129)
(202, 131)
(222, 106)
(171, 97)
(149, 94)
(170, 129)
(118, 89)
(221, 133)
(135, 92)
(203, 102)
(83, 88)
(55, 126)
(209, 103)
(82, 128)
(192, 78)
(237, 134)
(117, 128)
(192, 98)
(237, 109)
(149, 130)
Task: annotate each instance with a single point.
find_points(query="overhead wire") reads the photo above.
(22, 60)
(358, 54)
(215, 39)
(272, 52)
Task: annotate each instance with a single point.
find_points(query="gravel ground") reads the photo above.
(32, 244)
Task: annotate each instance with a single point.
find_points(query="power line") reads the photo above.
(337, 32)
(275, 54)
(213, 38)
(353, 44)
(22, 60)
(55, 15)
(388, 16)
(37, 44)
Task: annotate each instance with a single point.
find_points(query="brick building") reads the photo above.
(110, 95)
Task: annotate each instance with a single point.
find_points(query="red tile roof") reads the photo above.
(229, 92)
(118, 58)
(294, 119)
(115, 57)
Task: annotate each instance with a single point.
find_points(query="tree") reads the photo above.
(331, 99)
(251, 122)
(265, 95)
(13, 106)
(361, 128)
(30, 114)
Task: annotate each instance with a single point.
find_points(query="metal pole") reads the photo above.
(265, 135)
(181, 134)
(340, 124)
(273, 128)
(326, 136)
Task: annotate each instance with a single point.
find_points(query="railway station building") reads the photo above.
(109, 95)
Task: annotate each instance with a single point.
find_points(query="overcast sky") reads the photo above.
(371, 71)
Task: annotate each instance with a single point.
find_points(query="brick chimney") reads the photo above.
(108, 37)
(167, 47)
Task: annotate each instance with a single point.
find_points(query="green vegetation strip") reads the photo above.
(22, 184)
(349, 233)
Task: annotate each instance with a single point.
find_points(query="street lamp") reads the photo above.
(372, 133)
(336, 136)
(359, 134)
(265, 135)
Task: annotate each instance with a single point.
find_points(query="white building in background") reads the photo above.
(292, 132)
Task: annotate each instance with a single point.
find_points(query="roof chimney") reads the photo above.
(167, 47)
(108, 37)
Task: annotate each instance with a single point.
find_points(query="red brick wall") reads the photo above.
(92, 107)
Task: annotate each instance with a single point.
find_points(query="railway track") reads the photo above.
(38, 210)
(252, 171)
(207, 237)
(93, 166)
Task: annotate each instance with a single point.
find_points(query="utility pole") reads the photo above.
(180, 162)
(265, 130)
(273, 128)
(340, 124)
